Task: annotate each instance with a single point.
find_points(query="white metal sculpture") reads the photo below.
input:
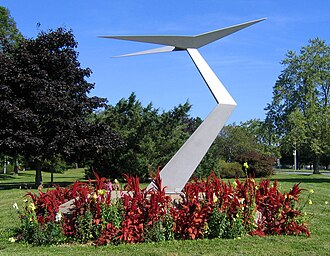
(180, 168)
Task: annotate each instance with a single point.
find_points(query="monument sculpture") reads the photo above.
(180, 168)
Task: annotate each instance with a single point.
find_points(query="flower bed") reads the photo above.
(207, 209)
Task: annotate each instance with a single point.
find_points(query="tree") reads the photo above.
(8, 30)
(151, 138)
(300, 110)
(264, 137)
(44, 99)
(10, 34)
(233, 140)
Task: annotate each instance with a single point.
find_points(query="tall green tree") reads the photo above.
(8, 30)
(300, 110)
(9, 34)
(44, 99)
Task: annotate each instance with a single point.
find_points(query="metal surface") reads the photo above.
(180, 168)
(185, 42)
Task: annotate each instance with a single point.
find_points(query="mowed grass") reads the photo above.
(317, 244)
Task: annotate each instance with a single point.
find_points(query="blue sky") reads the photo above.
(247, 62)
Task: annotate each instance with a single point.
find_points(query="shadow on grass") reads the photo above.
(308, 178)
(31, 185)
(6, 176)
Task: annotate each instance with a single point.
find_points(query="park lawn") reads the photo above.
(317, 244)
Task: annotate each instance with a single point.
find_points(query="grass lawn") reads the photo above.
(317, 244)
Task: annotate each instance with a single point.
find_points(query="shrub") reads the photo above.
(229, 170)
(260, 165)
(218, 224)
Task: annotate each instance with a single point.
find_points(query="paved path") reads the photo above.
(302, 173)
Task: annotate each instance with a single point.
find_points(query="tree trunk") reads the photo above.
(15, 166)
(38, 175)
(5, 166)
(316, 165)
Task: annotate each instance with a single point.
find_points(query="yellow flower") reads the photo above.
(32, 207)
(215, 199)
(101, 191)
(116, 181)
(245, 165)
(95, 196)
(234, 184)
(310, 201)
(311, 191)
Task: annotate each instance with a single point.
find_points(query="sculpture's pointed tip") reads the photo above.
(184, 42)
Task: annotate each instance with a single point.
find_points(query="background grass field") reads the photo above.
(13, 189)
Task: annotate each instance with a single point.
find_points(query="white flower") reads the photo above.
(58, 216)
(12, 240)
(258, 217)
(15, 206)
(241, 200)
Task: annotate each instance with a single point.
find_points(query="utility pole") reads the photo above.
(295, 156)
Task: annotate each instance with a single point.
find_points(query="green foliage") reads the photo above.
(8, 30)
(155, 233)
(9, 168)
(50, 234)
(229, 170)
(218, 224)
(57, 165)
(151, 138)
(113, 214)
(261, 131)
(30, 231)
(237, 229)
(86, 230)
(160, 230)
(299, 113)
(233, 141)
